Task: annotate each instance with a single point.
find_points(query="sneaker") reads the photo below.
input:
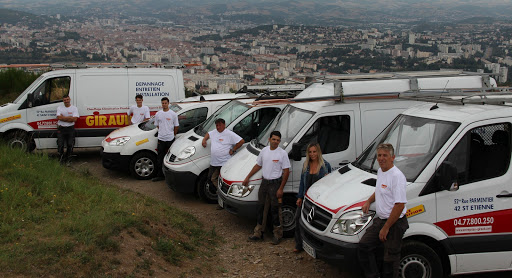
(255, 238)
(158, 179)
(275, 240)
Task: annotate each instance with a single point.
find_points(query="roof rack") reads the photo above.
(273, 91)
(494, 96)
(114, 65)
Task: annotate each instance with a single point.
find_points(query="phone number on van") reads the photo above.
(473, 221)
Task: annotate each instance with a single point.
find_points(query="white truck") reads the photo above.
(102, 96)
(342, 128)
(455, 154)
(134, 147)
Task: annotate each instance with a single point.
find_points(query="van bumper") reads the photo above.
(115, 161)
(330, 250)
(182, 182)
(239, 208)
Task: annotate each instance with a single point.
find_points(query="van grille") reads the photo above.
(172, 158)
(320, 217)
(224, 186)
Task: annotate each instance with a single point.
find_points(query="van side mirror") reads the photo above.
(447, 176)
(296, 152)
(30, 100)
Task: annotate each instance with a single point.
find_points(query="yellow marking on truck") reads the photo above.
(415, 211)
(142, 142)
(11, 118)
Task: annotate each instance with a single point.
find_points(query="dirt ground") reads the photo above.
(237, 257)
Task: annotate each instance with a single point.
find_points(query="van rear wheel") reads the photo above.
(143, 165)
(419, 261)
(206, 191)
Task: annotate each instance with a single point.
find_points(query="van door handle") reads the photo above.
(344, 162)
(504, 195)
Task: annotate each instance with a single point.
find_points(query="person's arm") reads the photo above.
(205, 139)
(236, 147)
(176, 130)
(393, 217)
(286, 173)
(254, 169)
(368, 202)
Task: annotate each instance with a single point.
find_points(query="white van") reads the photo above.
(187, 162)
(343, 130)
(456, 159)
(134, 147)
(102, 96)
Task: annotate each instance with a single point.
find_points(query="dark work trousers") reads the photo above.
(370, 242)
(268, 189)
(163, 147)
(65, 138)
(213, 176)
(298, 237)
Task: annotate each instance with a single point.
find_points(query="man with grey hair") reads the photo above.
(390, 222)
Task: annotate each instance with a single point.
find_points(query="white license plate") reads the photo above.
(221, 203)
(310, 250)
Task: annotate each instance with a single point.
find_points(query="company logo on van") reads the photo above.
(11, 118)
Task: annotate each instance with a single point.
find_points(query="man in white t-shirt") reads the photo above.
(166, 121)
(224, 144)
(139, 112)
(67, 115)
(390, 222)
(275, 166)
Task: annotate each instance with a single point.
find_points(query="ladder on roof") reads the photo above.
(494, 96)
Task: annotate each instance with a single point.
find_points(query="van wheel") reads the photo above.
(21, 140)
(143, 165)
(419, 260)
(288, 213)
(206, 192)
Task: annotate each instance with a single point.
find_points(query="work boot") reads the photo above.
(275, 240)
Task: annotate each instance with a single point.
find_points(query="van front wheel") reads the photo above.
(288, 210)
(419, 260)
(206, 191)
(20, 140)
(143, 165)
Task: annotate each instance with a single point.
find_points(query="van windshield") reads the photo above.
(229, 112)
(416, 141)
(289, 123)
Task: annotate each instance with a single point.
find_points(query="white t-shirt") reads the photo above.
(70, 111)
(166, 121)
(273, 162)
(221, 144)
(139, 113)
(390, 189)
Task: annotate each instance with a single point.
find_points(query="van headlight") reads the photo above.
(186, 153)
(352, 222)
(119, 141)
(239, 190)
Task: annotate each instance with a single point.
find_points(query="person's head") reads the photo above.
(67, 100)
(313, 154)
(220, 124)
(385, 156)
(138, 100)
(275, 139)
(165, 103)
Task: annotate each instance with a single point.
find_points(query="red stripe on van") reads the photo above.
(493, 222)
(334, 211)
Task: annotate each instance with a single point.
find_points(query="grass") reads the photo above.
(54, 220)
